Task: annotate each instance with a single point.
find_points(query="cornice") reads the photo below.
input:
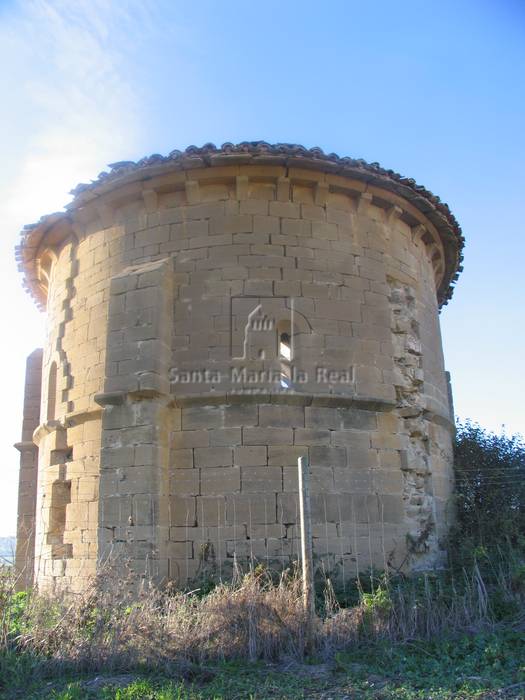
(57, 225)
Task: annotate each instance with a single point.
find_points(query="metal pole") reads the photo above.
(306, 547)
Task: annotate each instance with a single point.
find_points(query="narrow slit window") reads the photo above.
(285, 348)
(285, 357)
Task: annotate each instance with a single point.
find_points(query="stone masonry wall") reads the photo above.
(144, 457)
(233, 487)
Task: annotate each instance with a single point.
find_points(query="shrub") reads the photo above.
(490, 497)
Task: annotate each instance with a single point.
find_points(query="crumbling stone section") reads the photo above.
(418, 497)
(213, 316)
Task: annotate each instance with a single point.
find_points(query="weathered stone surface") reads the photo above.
(209, 326)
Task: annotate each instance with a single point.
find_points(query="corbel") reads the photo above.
(241, 186)
(192, 191)
(283, 189)
(419, 234)
(151, 200)
(321, 191)
(105, 214)
(364, 201)
(393, 213)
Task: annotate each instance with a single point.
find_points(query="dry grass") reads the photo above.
(107, 628)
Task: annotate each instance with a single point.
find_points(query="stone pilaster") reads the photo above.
(133, 510)
(27, 490)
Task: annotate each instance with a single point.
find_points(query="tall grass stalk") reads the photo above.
(108, 627)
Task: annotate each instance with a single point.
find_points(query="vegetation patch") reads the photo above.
(457, 633)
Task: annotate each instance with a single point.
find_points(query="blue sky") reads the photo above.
(434, 90)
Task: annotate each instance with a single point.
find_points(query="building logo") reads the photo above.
(262, 328)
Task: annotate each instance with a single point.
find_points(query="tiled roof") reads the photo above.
(262, 153)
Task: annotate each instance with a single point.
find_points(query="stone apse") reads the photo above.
(213, 315)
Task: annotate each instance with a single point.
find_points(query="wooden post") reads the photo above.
(306, 547)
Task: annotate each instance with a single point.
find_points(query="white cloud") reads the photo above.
(71, 107)
(71, 79)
